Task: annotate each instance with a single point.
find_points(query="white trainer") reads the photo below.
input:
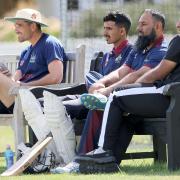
(72, 167)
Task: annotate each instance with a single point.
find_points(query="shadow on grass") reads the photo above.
(148, 170)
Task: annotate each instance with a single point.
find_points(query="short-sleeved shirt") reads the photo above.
(149, 58)
(173, 54)
(114, 59)
(110, 62)
(34, 60)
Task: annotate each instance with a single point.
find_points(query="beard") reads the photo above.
(144, 41)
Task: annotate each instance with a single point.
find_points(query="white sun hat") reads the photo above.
(27, 15)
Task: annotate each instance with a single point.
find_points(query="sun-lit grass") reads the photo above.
(132, 169)
(144, 169)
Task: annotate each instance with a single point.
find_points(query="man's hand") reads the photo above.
(95, 87)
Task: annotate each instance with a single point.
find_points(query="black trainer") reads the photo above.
(97, 163)
(100, 158)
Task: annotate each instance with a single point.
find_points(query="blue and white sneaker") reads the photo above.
(94, 101)
(72, 167)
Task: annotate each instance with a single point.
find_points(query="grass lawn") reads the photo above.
(132, 169)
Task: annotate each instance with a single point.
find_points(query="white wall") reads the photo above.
(49, 7)
(86, 4)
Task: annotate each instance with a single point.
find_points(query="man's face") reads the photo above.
(112, 32)
(178, 25)
(146, 31)
(145, 24)
(23, 30)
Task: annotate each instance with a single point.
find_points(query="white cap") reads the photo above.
(28, 15)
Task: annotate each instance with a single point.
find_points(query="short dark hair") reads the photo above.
(38, 26)
(157, 15)
(119, 18)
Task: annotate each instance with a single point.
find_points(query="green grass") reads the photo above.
(134, 169)
(130, 169)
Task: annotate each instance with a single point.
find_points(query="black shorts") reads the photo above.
(5, 110)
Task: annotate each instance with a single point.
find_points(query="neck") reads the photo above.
(35, 38)
(116, 44)
(157, 41)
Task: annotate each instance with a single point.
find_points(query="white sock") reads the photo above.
(60, 125)
(99, 150)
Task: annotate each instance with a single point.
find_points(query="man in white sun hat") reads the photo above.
(41, 63)
(30, 15)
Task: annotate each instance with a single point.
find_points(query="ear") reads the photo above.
(122, 31)
(33, 27)
(158, 26)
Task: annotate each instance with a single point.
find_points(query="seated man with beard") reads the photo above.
(148, 51)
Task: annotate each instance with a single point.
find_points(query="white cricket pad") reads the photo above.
(60, 125)
(33, 113)
(36, 119)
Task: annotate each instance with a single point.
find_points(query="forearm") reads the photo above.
(158, 73)
(150, 77)
(131, 77)
(46, 80)
(54, 76)
(120, 83)
(109, 79)
(147, 78)
(115, 76)
(105, 82)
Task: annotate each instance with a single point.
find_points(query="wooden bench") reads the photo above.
(74, 75)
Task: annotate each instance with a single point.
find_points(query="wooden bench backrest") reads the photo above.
(74, 68)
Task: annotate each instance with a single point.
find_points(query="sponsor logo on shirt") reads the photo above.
(118, 59)
(33, 58)
(146, 60)
(21, 63)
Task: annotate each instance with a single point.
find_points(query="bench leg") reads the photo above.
(173, 142)
(160, 150)
(18, 123)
